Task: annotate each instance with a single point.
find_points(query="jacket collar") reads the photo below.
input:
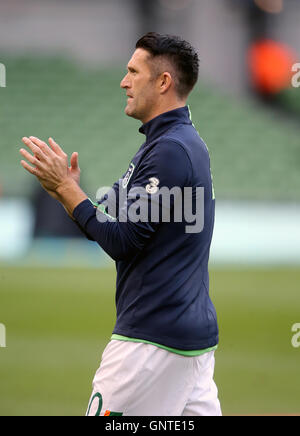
(161, 124)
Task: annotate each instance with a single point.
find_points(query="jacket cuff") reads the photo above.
(83, 212)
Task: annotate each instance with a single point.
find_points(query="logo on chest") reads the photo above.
(152, 187)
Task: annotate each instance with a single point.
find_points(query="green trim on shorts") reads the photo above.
(171, 350)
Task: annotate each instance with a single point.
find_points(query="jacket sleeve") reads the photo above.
(115, 189)
(166, 165)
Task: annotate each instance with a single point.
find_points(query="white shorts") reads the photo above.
(138, 379)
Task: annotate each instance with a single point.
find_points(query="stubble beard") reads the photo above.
(133, 112)
(141, 113)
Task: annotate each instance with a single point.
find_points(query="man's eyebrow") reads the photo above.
(131, 69)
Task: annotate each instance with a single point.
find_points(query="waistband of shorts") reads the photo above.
(187, 353)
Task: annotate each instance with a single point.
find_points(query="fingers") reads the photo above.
(30, 169)
(42, 155)
(34, 148)
(42, 145)
(32, 159)
(74, 161)
(56, 148)
(40, 148)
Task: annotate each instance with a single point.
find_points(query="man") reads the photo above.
(160, 360)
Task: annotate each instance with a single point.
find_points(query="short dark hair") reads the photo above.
(182, 56)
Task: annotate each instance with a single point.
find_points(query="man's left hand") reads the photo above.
(49, 166)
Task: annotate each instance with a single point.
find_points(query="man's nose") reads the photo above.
(124, 83)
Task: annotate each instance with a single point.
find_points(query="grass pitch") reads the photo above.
(59, 321)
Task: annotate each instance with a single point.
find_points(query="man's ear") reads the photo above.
(165, 82)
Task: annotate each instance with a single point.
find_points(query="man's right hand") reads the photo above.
(74, 170)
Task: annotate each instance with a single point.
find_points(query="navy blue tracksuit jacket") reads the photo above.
(162, 291)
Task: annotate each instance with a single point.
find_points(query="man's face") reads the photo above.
(140, 87)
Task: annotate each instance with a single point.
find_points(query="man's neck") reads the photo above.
(163, 109)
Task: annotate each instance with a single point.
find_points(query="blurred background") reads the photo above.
(61, 63)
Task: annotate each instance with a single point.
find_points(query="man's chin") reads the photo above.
(131, 113)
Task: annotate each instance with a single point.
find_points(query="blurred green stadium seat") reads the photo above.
(254, 153)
